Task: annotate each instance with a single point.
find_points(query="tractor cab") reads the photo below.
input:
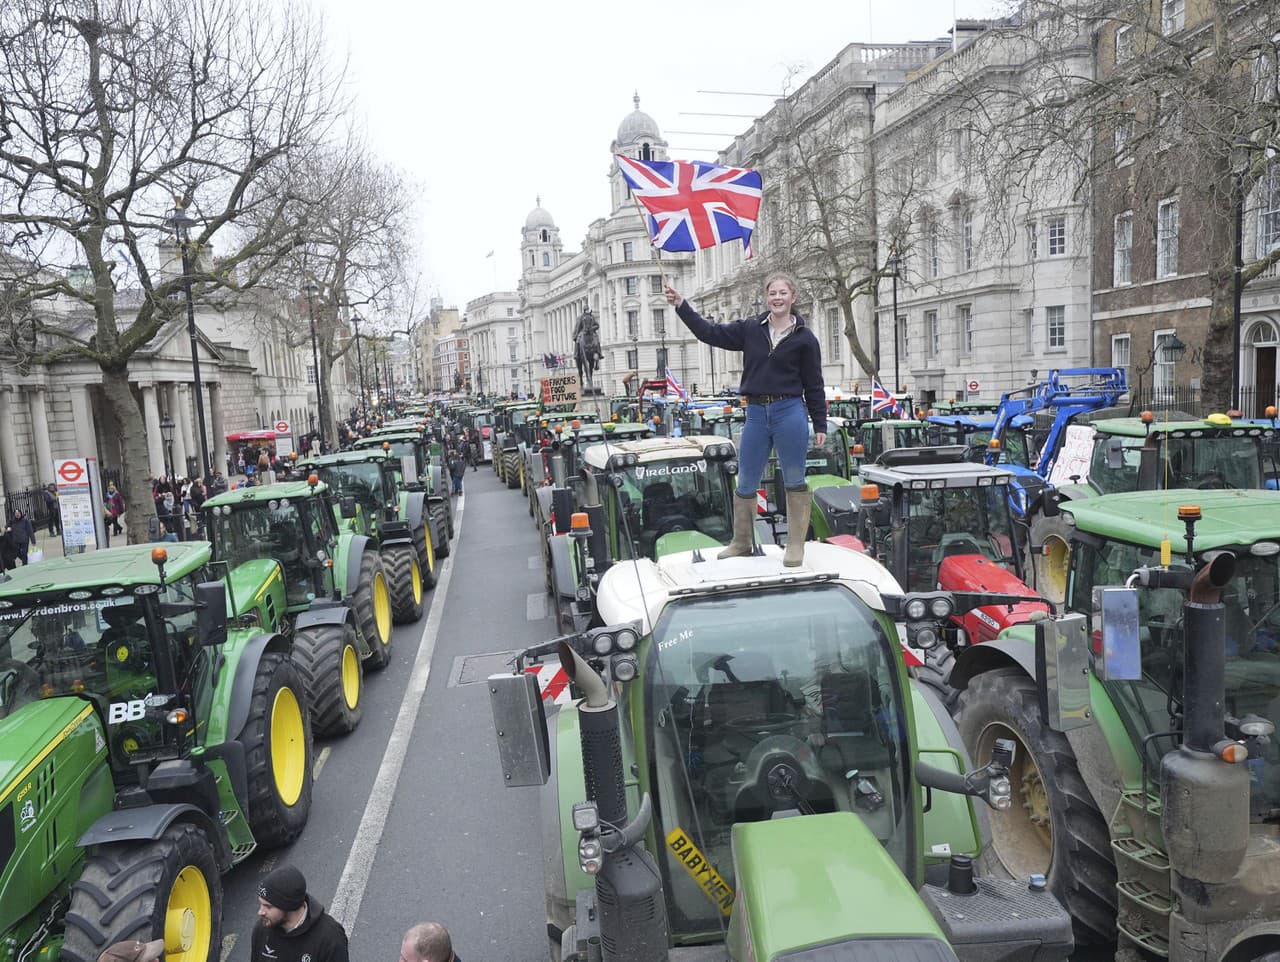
(399, 444)
(370, 477)
(291, 524)
(886, 434)
(121, 632)
(1015, 449)
(726, 421)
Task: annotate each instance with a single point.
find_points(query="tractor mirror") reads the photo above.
(1121, 654)
(409, 469)
(1115, 454)
(521, 728)
(211, 613)
(347, 507)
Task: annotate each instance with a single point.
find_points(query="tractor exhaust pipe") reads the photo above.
(1203, 782)
(629, 898)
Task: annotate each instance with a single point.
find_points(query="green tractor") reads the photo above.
(512, 430)
(551, 427)
(419, 471)
(1148, 773)
(145, 748)
(395, 520)
(290, 567)
(749, 773)
(559, 462)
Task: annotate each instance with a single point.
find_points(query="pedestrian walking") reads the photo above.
(198, 493)
(53, 508)
(8, 549)
(427, 942)
(781, 378)
(292, 925)
(115, 507)
(24, 535)
(457, 470)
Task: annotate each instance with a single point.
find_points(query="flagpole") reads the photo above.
(657, 251)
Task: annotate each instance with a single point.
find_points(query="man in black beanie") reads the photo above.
(292, 926)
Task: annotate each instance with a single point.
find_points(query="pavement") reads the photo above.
(410, 821)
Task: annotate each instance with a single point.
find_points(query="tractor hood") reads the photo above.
(250, 583)
(825, 880)
(31, 733)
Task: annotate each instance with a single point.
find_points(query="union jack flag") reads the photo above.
(883, 401)
(674, 389)
(692, 204)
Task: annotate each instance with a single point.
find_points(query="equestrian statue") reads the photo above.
(586, 348)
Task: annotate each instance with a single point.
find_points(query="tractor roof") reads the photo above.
(614, 429)
(397, 434)
(1215, 425)
(264, 493)
(560, 416)
(653, 449)
(359, 456)
(630, 590)
(1229, 517)
(125, 567)
(918, 467)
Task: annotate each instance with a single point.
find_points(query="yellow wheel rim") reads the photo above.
(188, 918)
(382, 607)
(288, 746)
(431, 553)
(415, 576)
(350, 676)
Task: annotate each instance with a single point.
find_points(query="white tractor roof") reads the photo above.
(653, 449)
(639, 590)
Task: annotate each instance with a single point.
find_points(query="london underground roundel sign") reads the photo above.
(70, 471)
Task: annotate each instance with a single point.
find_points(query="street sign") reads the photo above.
(560, 390)
(282, 427)
(284, 439)
(974, 387)
(80, 500)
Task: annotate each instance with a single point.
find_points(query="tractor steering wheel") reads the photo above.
(678, 522)
(1213, 480)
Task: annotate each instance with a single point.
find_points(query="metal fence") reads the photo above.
(1180, 397)
(30, 502)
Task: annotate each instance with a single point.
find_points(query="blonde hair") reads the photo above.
(785, 278)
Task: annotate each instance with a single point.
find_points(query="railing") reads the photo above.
(30, 502)
(1180, 397)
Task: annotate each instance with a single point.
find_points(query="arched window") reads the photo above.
(533, 260)
(645, 152)
(545, 237)
(546, 260)
(1263, 334)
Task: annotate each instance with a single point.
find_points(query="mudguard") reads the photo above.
(355, 551)
(562, 573)
(544, 503)
(413, 508)
(1005, 652)
(323, 613)
(437, 479)
(242, 684)
(150, 822)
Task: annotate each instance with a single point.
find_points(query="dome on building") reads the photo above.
(637, 126)
(538, 217)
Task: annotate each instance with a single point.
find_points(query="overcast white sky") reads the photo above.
(488, 104)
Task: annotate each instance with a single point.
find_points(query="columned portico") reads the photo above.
(40, 431)
(151, 419)
(219, 439)
(182, 429)
(83, 422)
(8, 443)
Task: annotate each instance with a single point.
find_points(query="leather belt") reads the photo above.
(768, 398)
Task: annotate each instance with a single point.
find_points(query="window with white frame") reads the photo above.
(1033, 240)
(904, 341)
(1056, 231)
(1269, 211)
(1172, 15)
(633, 359)
(933, 336)
(628, 250)
(1163, 367)
(1167, 238)
(655, 283)
(1168, 119)
(1120, 351)
(1122, 250)
(311, 374)
(633, 324)
(964, 325)
(1055, 323)
(835, 334)
(546, 260)
(1124, 44)
(631, 285)
(1122, 140)
(659, 320)
(512, 352)
(966, 239)
(1029, 329)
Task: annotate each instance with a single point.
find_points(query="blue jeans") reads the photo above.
(457, 484)
(782, 426)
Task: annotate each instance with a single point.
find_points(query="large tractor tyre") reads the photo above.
(327, 658)
(372, 602)
(1049, 565)
(511, 468)
(278, 752)
(168, 889)
(404, 580)
(1054, 826)
(440, 532)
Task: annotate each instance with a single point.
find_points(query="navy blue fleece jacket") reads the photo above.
(794, 367)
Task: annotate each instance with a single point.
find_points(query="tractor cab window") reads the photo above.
(1252, 602)
(266, 531)
(763, 703)
(663, 497)
(100, 649)
(1221, 461)
(361, 480)
(942, 522)
(831, 458)
(1114, 464)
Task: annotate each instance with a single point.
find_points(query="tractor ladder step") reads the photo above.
(1142, 869)
(1138, 816)
(1137, 930)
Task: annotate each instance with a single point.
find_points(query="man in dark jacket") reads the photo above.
(292, 926)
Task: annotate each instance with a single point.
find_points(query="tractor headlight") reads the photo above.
(916, 609)
(731, 466)
(602, 643)
(1000, 793)
(926, 637)
(940, 607)
(625, 667)
(626, 639)
(590, 855)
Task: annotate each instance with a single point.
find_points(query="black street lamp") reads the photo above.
(166, 435)
(891, 265)
(712, 351)
(364, 400)
(181, 222)
(311, 289)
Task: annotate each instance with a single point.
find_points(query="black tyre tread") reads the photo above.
(440, 534)
(118, 896)
(317, 654)
(397, 561)
(1082, 873)
(511, 468)
(273, 823)
(366, 617)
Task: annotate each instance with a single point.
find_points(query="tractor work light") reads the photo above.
(626, 639)
(940, 607)
(919, 485)
(731, 466)
(602, 643)
(1000, 792)
(925, 637)
(916, 609)
(586, 817)
(936, 483)
(986, 482)
(1003, 480)
(80, 595)
(625, 667)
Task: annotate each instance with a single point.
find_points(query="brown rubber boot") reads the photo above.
(744, 519)
(798, 504)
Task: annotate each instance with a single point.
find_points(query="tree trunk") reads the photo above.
(1218, 357)
(129, 426)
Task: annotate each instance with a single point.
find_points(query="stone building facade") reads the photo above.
(500, 354)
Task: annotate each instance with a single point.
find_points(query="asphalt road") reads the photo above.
(446, 841)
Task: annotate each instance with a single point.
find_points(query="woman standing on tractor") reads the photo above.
(782, 383)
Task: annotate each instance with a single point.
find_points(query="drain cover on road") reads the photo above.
(470, 669)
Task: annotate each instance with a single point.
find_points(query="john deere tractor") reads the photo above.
(512, 428)
(288, 566)
(418, 471)
(748, 773)
(1148, 774)
(146, 747)
(396, 521)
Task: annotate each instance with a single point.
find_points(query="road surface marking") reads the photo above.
(228, 943)
(364, 848)
(535, 606)
(320, 760)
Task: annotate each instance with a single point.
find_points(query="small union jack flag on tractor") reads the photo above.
(691, 205)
